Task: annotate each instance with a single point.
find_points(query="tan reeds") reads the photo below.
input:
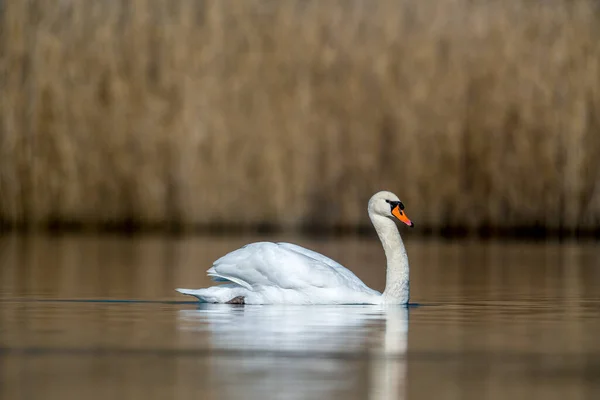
(295, 112)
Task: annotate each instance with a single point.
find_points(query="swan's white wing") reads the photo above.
(284, 266)
(339, 268)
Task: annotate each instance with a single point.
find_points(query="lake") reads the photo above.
(97, 317)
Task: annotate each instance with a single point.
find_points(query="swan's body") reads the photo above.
(284, 273)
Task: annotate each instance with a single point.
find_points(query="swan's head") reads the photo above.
(387, 204)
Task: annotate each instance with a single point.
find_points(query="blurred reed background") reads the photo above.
(290, 114)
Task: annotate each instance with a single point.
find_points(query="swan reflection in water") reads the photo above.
(298, 352)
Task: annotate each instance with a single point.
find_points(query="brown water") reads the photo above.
(495, 321)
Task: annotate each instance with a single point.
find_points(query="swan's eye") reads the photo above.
(393, 204)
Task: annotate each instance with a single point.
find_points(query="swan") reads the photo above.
(285, 273)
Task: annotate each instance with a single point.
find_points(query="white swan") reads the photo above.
(284, 273)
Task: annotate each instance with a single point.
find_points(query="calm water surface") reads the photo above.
(494, 321)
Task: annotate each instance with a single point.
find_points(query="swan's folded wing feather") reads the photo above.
(267, 264)
(220, 278)
(339, 268)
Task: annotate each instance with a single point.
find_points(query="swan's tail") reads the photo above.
(215, 294)
(189, 292)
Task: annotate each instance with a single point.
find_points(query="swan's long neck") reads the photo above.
(397, 276)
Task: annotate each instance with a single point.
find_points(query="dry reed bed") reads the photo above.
(293, 112)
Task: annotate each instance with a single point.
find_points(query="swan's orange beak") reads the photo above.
(401, 215)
